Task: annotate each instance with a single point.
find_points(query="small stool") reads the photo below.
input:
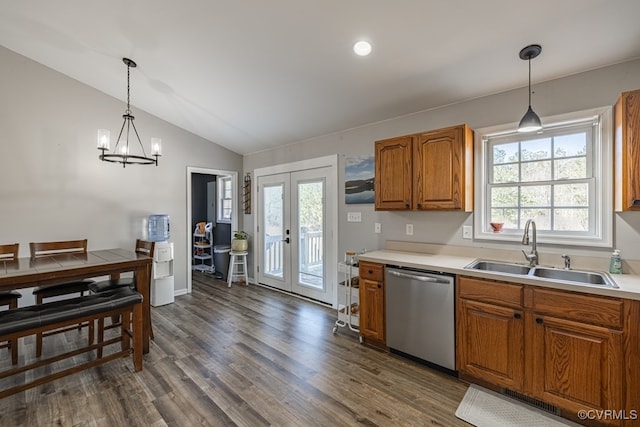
(237, 267)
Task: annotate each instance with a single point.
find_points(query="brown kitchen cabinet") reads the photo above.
(576, 349)
(627, 152)
(426, 171)
(572, 350)
(372, 302)
(393, 174)
(490, 332)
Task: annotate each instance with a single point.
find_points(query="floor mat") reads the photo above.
(485, 408)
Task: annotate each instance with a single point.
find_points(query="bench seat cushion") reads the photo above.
(63, 289)
(39, 315)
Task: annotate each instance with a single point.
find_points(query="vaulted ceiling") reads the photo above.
(254, 74)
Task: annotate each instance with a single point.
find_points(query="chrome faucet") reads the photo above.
(567, 262)
(532, 256)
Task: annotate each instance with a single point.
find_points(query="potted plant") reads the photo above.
(240, 242)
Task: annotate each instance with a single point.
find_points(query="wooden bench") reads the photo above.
(35, 319)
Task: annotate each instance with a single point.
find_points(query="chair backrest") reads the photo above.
(39, 249)
(9, 252)
(145, 247)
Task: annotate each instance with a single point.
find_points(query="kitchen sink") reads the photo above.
(588, 278)
(499, 267)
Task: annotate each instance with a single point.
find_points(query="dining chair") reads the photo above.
(41, 250)
(9, 299)
(143, 247)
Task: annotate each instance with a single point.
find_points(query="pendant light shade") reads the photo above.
(530, 121)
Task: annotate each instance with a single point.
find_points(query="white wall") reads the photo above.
(583, 91)
(52, 185)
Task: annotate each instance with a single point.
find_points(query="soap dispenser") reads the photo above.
(615, 265)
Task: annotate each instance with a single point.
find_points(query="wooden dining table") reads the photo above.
(54, 269)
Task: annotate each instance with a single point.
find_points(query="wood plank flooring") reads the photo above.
(245, 356)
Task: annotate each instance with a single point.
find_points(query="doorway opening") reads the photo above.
(205, 188)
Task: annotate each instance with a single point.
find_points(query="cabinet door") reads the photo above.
(372, 309)
(627, 152)
(575, 365)
(442, 169)
(393, 173)
(490, 342)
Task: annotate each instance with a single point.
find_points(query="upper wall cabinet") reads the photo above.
(426, 171)
(627, 152)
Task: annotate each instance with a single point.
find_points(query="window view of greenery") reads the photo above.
(310, 232)
(546, 178)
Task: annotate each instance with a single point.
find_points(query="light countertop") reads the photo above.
(629, 284)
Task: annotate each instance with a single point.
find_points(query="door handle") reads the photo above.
(285, 240)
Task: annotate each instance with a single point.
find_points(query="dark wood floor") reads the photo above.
(245, 356)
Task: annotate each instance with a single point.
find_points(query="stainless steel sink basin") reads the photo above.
(588, 278)
(499, 267)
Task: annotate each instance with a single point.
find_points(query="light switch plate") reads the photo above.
(467, 231)
(354, 216)
(409, 229)
(377, 227)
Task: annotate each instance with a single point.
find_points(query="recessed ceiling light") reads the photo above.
(362, 48)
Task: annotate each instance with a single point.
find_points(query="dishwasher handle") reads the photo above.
(417, 277)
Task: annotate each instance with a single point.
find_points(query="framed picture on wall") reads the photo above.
(358, 179)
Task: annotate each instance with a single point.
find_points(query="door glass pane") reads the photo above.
(310, 232)
(273, 229)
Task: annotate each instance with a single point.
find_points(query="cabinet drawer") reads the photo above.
(371, 271)
(593, 309)
(504, 294)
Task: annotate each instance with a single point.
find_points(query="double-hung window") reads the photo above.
(559, 177)
(225, 199)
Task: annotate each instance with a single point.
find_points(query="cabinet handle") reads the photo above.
(419, 206)
(370, 271)
(539, 321)
(379, 285)
(406, 205)
(517, 315)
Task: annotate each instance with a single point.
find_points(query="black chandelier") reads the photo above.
(121, 151)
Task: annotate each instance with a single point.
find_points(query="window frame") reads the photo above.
(600, 202)
(220, 199)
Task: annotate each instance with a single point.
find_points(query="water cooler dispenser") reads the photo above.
(162, 283)
(162, 286)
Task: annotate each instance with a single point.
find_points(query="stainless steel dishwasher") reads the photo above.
(420, 315)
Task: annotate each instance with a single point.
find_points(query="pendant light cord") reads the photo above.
(529, 80)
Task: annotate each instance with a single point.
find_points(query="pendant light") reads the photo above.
(530, 121)
(123, 152)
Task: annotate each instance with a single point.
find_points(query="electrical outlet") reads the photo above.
(467, 231)
(409, 230)
(354, 216)
(377, 227)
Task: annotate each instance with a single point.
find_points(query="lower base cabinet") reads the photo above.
(578, 352)
(372, 303)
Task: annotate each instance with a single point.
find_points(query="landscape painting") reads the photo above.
(358, 179)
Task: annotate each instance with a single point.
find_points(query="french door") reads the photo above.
(293, 234)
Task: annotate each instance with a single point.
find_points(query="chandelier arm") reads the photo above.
(138, 136)
(124, 122)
